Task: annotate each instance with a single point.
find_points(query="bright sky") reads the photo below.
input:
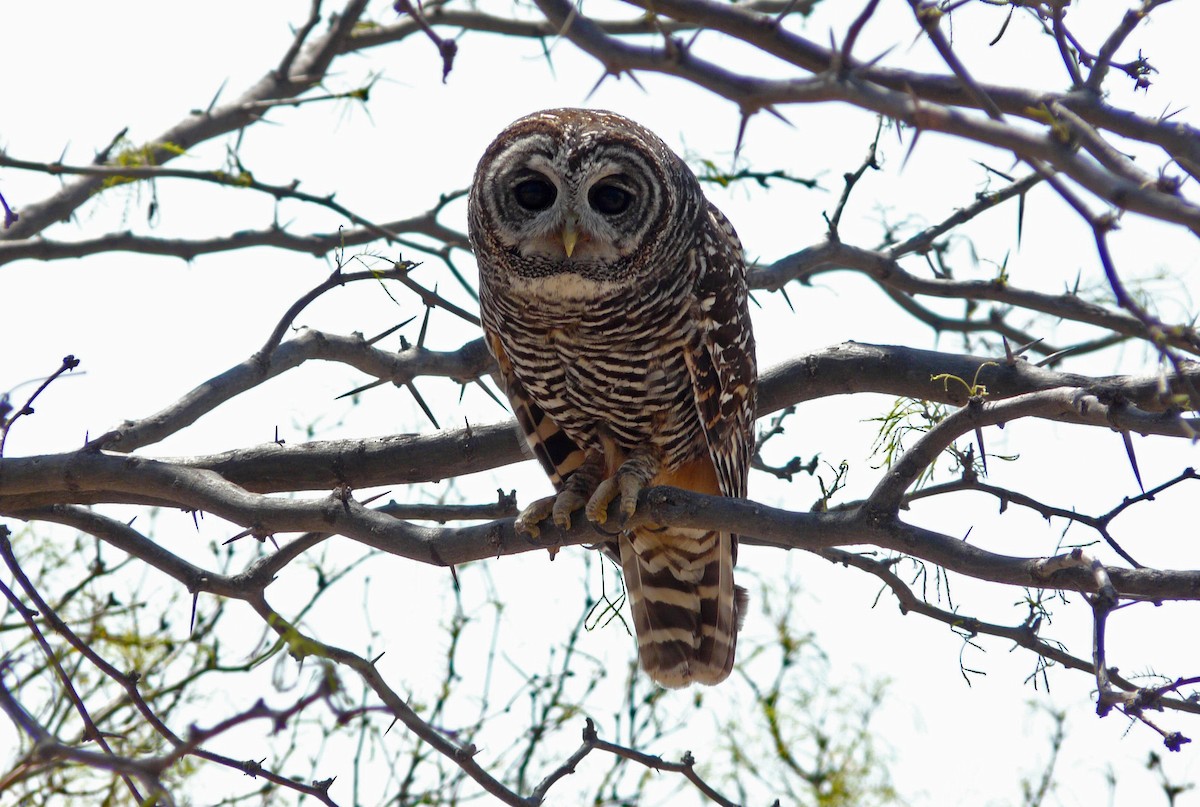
(148, 329)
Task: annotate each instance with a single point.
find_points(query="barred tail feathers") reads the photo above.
(686, 609)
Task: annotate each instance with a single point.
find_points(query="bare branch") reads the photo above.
(831, 256)
(307, 70)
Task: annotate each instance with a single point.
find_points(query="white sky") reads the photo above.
(148, 329)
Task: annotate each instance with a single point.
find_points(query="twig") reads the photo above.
(851, 180)
(91, 732)
(68, 363)
(426, 223)
(1104, 56)
(929, 17)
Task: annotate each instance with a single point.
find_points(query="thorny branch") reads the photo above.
(308, 68)
(1066, 137)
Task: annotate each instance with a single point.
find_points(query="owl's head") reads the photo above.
(580, 192)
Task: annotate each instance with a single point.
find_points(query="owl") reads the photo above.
(613, 298)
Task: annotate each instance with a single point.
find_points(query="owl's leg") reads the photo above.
(573, 496)
(633, 475)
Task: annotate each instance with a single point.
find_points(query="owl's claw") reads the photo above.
(581, 493)
(557, 508)
(533, 515)
(565, 504)
(625, 485)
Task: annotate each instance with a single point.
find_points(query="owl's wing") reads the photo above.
(699, 599)
(556, 452)
(722, 362)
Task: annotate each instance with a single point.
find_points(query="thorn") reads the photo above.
(916, 124)
(911, 148)
(1133, 459)
(1051, 358)
(213, 103)
(996, 171)
(425, 323)
(786, 299)
(770, 109)
(192, 623)
(1020, 218)
(867, 65)
(982, 451)
(784, 12)
(390, 331)
(549, 59)
(237, 537)
(737, 147)
(596, 86)
(490, 394)
(1023, 349)
(363, 388)
(421, 402)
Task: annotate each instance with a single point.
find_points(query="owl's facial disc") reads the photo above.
(572, 223)
(555, 196)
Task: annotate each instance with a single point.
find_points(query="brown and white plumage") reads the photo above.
(613, 296)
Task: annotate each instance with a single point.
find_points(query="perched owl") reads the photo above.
(613, 297)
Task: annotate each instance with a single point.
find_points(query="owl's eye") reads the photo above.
(535, 194)
(609, 199)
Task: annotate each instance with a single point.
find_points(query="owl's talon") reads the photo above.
(565, 504)
(523, 528)
(534, 514)
(556, 508)
(631, 488)
(597, 506)
(627, 486)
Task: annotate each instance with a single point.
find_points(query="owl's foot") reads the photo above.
(558, 508)
(565, 504)
(533, 515)
(625, 484)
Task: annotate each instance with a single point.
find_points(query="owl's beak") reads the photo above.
(570, 234)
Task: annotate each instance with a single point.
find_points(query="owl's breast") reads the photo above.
(622, 378)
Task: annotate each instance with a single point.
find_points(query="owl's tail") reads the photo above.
(686, 609)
